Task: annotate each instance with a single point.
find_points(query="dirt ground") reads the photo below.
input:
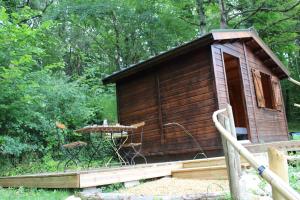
(173, 186)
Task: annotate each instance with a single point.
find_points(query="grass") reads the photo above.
(33, 194)
(294, 126)
(294, 169)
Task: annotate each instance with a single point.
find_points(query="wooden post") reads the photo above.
(284, 188)
(233, 165)
(278, 164)
(233, 133)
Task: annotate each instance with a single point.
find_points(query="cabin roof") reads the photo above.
(221, 35)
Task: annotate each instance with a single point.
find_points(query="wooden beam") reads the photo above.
(278, 164)
(235, 40)
(217, 161)
(161, 126)
(232, 157)
(202, 173)
(68, 180)
(91, 178)
(281, 145)
(258, 51)
(129, 174)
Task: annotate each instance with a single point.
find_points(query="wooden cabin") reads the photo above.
(188, 83)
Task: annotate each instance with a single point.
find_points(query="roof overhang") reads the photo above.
(250, 37)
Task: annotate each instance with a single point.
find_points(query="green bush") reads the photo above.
(37, 102)
(29, 194)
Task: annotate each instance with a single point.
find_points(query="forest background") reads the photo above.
(54, 53)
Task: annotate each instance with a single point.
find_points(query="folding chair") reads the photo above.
(133, 149)
(70, 150)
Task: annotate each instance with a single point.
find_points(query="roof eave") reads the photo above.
(215, 35)
(272, 56)
(228, 35)
(198, 43)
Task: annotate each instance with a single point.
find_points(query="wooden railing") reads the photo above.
(224, 122)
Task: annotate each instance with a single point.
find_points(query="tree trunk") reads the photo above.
(118, 57)
(223, 20)
(202, 19)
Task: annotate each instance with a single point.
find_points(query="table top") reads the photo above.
(105, 129)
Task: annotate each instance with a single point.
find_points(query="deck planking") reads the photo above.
(200, 168)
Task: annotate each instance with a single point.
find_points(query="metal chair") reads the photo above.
(70, 150)
(133, 149)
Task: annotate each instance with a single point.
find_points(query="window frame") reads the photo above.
(266, 81)
(259, 90)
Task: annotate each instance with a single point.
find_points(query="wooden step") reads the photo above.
(202, 173)
(217, 161)
(204, 162)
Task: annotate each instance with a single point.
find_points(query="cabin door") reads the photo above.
(236, 95)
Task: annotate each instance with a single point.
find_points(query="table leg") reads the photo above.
(137, 152)
(117, 148)
(95, 148)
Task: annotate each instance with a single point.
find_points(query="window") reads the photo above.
(267, 89)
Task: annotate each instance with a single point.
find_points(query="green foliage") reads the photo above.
(32, 194)
(12, 146)
(294, 171)
(294, 126)
(35, 102)
(35, 93)
(112, 187)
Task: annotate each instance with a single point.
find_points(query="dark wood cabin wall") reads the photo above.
(271, 124)
(182, 91)
(137, 101)
(188, 97)
(235, 49)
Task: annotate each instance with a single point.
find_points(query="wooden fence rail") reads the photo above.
(276, 182)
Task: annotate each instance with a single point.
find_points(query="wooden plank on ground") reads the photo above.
(217, 161)
(204, 162)
(202, 173)
(128, 174)
(42, 181)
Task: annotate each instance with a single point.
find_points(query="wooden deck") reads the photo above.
(91, 178)
(200, 169)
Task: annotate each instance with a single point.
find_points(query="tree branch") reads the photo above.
(281, 20)
(264, 9)
(189, 22)
(248, 17)
(48, 4)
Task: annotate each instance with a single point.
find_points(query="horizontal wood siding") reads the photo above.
(188, 97)
(137, 101)
(265, 125)
(271, 124)
(181, 90)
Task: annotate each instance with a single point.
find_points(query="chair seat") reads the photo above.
(131, 145)
(75, 144)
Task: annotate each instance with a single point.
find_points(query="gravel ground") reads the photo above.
(173, 186)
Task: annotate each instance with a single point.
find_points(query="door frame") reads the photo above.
(233, 54)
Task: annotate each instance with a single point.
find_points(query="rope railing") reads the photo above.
(282, 187)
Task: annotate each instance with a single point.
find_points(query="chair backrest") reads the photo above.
(60, 132)
(139, 125)
(60, 125)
